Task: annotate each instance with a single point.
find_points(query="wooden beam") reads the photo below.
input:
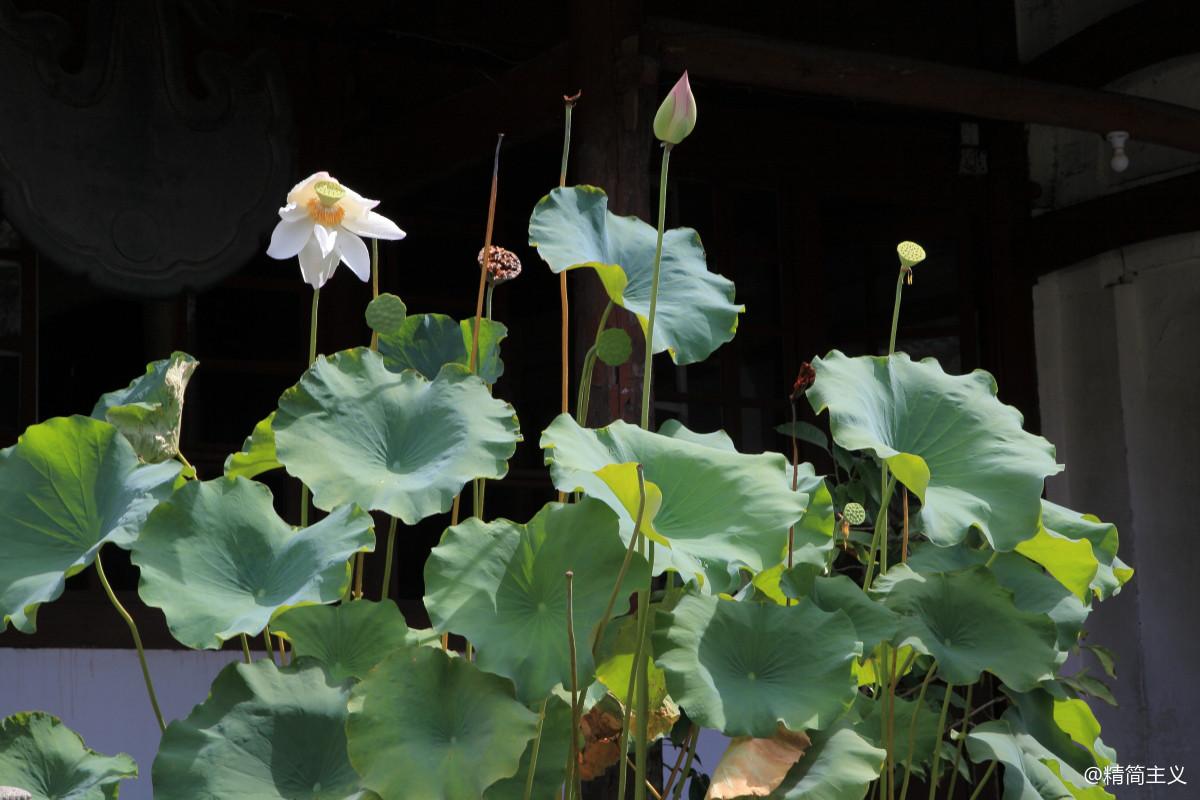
(1072, 234)
(727, 57)
(1125, 41)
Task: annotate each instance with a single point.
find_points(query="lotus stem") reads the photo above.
(962, 737)
(137, 641)
(574, 780)
(633, 540)
(568, 108)
(487, 252)
(649, 786)
(183, 460)
(389, 557)
(983, 781)
(896, 311)
(589, 363)
(533, 754)
(246, 649)
(312, 356)
(879, 540)
(374, 286)
(889, 696)
(937, 743)
(904, 539)
(648, 368)
(682, 777)
(634, 674)
(912, 728)
(267, 644)
(642, 746)
(282, 651)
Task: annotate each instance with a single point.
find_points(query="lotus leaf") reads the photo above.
(68, 486)
(947, 438)
(396, 442)
(348, 639)
(219, 561)
(839, 765)
(708, 535)
(1031, 772)
(572, 228)
(428, 342)
(424, 724)
(501, 584)
(50, 761)
(264, 732)
(746, 668)
(257, 454)
(1111, 572)
(552, 758)
(149, 411)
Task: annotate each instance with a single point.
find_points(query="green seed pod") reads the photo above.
(614, 347)
(386, 313)
(854, 513)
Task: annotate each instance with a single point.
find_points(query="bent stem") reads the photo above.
(585, 376)
(648, 368)
(896, 310)
(312, 356)
(137, 641)
(389, 556)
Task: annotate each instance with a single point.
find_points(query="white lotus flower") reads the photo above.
(322, 223)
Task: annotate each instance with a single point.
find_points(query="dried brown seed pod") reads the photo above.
(503, 265)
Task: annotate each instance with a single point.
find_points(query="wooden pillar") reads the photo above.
(611, 63)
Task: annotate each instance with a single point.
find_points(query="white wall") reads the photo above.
(100, 695)
(1118, 348)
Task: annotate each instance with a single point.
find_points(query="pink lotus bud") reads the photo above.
(676, 116)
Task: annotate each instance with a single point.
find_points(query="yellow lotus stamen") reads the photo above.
(329, 216)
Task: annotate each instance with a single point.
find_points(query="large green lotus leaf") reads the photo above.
(1031, 772)
(746, 668)
(257, 454)
(264, 732)
(150, 409)
(718, 440)
(1033, 590)
(1064, 726)
(1111, 572)
(572, 228)
(550, 771)
(424, 724)
(428, 342)
(50, 761)
(348, 639)
(942, 615)
(355, 432)
(841, 764)
(709, 535)
(501, 585)
(219, 561)
(67, 487)
(946, 437)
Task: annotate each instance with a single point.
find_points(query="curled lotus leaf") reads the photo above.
(257, 454)
(1111, 572)
(502, 585)
(947, 438)
(573, 228)
(41, 755)
(264, 732)
(149, 411)
(840, 764)
(219, 561)
(1031, 771)
(349, 638)
(940, 615)
(460, 730)
(755, 767)
(747, 668)
(1065, 726)
(428, 342)
(355, 432)
(707, 535)
(67, 487)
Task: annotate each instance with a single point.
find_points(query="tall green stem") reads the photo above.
(912, 728)
(962, 737)
(312, 356)
(568, 108)
(137, 641)
(642, 746)
(633, 540)
(635, 674)
(374, 286)
(687, 765)
(937, 743)
(389, 555)
(983, 781)
(648, 369)
(574, 781)
(533, 754)
(879, 540)
(246, 649)
(896, 310)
